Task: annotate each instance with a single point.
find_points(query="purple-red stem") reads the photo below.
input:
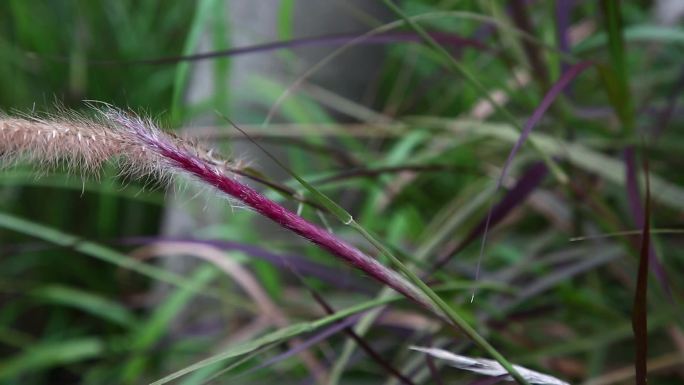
(183, 159)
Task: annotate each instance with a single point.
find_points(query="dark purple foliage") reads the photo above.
(538, 113)
(636, 208)
(311, 341)
(563, 13)
(640, 310)
(529, 181)
(448, 39)
(298, 263)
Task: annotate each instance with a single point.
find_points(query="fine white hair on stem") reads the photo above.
(177, 155)
(85, 144)
(488, 367)
(142, 148)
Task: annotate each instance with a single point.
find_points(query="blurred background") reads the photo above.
(108, 280)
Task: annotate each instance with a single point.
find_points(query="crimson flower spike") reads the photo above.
(182, 159)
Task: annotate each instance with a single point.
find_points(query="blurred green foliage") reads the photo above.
(75, 307)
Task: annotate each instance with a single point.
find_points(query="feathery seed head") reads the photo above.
(85, 144)
(141, 149)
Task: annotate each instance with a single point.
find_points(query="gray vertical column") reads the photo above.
(254, 22)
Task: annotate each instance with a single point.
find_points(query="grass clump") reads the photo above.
(484, 197)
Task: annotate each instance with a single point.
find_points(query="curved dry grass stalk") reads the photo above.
(268, 312)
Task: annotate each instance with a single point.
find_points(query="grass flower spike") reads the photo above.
(142, 149)
(183, 159)
(76, 143)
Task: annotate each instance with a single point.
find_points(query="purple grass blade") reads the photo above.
(538, 113)
(640, 309)
(637, 210)
(434, 373)
(299, 263)
(377, 357)
(448, 39)
(532, 178)
(563, 12)
(563, 273)
(483, 32)
(309, 342)
(633, 195)
(529, 181)
(365, 346)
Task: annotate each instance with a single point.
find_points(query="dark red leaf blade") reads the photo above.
(640, 312)
(637, 211)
